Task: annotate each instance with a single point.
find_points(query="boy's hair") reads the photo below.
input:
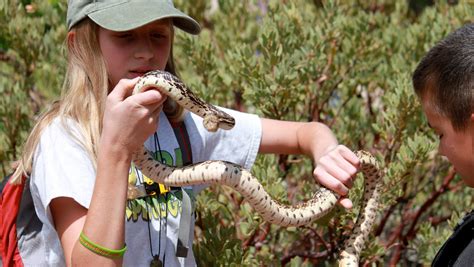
(83, 97)
(446, 76)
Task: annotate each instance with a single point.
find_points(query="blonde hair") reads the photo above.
(83, 97)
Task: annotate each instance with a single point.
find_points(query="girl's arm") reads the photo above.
(103, 222)
(336, 165)
(127, 122)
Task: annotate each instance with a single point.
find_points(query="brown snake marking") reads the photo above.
(232, 175)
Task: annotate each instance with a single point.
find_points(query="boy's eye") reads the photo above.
(439, 135)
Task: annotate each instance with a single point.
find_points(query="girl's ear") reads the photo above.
(70, 38)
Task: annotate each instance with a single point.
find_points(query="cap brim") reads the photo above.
(129, 16)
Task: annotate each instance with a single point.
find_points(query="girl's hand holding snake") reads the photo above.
(336, 169)
(130, 119)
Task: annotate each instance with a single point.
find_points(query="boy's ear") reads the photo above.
(472, 131)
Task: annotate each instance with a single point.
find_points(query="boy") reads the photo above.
(444, 82)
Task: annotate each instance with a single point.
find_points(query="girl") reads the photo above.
(78, 156)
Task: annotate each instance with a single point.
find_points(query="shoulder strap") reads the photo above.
(182, 136)
(184, 229)
(11, 195)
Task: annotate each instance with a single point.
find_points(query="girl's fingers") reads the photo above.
(330, 182)
(131, 117)
(123, 89)
(338, 168)
(335, 185)
(346, 203)
(156, 112)
(348, 155)
(149, 98)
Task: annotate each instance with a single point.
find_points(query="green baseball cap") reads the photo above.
(124, 15)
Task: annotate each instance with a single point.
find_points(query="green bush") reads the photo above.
(347, 64)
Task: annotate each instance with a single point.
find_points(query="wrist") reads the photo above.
(324, 141)
(113, 151)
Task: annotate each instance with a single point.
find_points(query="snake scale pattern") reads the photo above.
(232, 175)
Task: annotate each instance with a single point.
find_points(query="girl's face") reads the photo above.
(132, 53)
(457, 146)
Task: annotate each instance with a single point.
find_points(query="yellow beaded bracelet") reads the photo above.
(100, 250)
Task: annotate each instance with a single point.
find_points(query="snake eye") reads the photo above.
(225, 126)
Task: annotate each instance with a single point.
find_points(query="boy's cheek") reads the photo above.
(468, 179)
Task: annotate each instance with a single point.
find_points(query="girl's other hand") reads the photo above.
(336, 170)
(130, 119)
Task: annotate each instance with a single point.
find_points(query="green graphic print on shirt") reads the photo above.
(159, 205)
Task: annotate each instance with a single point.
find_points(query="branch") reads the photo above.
(257, 236)
(429, 202)
(414, 218)
(308, 255)
(386, 216)
(4, 56)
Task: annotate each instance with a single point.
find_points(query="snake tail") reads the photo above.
(373, 184)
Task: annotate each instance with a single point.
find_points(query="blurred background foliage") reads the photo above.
(347, 64)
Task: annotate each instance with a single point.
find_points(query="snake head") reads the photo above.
(227, 123)
(212, 123)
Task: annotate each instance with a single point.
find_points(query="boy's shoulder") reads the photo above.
(458, 250)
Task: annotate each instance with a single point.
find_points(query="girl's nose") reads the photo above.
(144, 49)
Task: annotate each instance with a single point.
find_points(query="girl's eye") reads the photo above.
(158, 35)
(124, 35)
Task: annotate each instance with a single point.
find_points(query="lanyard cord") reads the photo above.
(166, 226)
(158, 149)
(157, 143)
(156, 257)
(149, 198)
(149, 231)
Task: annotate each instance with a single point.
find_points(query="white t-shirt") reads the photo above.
(62, 168)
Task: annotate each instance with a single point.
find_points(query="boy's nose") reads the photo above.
(441, 150)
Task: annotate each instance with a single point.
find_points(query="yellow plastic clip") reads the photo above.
(153, 188)
(164, 189)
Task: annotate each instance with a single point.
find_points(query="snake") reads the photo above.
(242, 180)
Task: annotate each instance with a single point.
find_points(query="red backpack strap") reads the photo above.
(11, 195)
(182, 136)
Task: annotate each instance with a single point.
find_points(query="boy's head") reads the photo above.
(444, 81)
